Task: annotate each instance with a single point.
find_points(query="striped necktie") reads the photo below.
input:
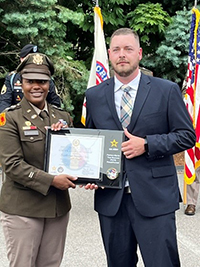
(126, 106)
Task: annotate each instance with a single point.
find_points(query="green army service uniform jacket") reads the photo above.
(27, 189)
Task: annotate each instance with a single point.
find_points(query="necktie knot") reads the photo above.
(126, 88)
(44, 115)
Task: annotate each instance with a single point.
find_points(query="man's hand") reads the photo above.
(90, 186)
(134, 147)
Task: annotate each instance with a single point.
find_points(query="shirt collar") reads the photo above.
(37, 110)
(133, 84)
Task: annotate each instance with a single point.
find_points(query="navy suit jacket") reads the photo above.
(160, 115)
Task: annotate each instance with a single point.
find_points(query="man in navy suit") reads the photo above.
(143, 211)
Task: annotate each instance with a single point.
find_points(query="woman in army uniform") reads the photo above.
(35, 205)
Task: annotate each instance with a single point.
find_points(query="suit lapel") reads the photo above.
(109, 92)
(143, 91)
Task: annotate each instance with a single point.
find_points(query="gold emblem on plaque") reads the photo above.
(76, 142)
(112, 174)
(114, 143)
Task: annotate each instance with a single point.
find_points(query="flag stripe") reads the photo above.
(192, 97)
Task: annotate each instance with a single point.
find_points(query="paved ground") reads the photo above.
(84, 247)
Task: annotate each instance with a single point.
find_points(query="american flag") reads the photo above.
(99, 71)
(192, 98)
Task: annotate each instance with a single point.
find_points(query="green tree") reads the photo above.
(64, 30)
(44, 23)
(149, 21)
(170, 58)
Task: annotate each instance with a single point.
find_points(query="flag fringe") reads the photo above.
(192, 156)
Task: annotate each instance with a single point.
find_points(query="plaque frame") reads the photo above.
(110, 164)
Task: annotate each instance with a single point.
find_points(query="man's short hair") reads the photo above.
(125, 31)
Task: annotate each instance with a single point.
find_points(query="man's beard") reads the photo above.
(125, 73)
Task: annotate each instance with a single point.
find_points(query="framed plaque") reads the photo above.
(94, 156)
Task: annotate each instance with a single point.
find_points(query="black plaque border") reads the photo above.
(103, 180)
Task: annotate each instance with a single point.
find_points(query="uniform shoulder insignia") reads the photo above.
(13, 107)
(56, 107)
(2, 119)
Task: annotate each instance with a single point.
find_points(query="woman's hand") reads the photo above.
(59, 125)
(64, 181)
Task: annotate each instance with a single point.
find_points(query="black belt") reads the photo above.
(127, 190)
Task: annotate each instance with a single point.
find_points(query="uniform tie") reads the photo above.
(126, 106)
(43, 114)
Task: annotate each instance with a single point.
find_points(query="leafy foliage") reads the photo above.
(64, 30)
(150, 21)
(173, 5)
(45, 24)
(170, 58)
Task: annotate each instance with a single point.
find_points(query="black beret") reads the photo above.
(27, 49)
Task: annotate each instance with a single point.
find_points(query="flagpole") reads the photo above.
(195, 3)
(184, 193)
(97, 2)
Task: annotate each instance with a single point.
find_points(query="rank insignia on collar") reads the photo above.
(33, 116)
(2, 119)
